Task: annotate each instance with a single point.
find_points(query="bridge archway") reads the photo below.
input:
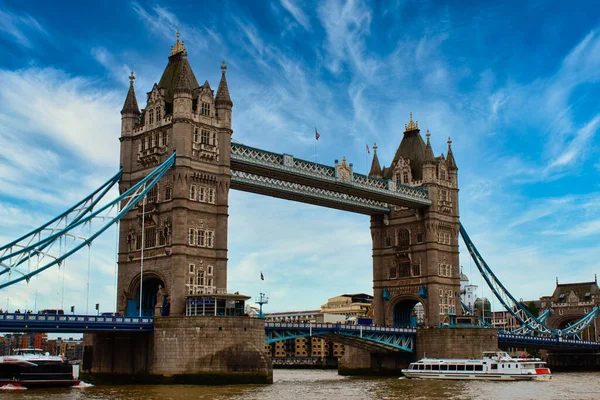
(152, 283)
(404, 312)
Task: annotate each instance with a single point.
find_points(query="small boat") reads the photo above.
(494, 365)
(33, 368)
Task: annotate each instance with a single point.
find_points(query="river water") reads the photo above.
(319, 384)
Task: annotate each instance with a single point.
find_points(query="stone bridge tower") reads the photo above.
(185, 215)
(415, 251)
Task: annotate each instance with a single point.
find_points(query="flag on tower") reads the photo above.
(262, 277)
(368, 151)
(317, 136)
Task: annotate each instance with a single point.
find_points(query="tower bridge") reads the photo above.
(178, 164)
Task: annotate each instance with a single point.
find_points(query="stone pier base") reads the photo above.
(432, 342)
(360, 362)
(181, 350)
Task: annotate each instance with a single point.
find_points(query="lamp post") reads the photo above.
(260, 300)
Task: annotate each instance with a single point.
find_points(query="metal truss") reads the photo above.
(77, 227)
(515, 307)
(523, 330)
(315, 194)
(395, 339)
(288, 164)
(70, 216)
(542, 318)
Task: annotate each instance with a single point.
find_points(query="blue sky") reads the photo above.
(515, 84)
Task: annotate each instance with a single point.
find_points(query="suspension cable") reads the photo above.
(142, 253)
(87, 302)
(116, 262)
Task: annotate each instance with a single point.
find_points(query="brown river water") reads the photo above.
(319, 384)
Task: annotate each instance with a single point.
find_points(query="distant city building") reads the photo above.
(349, 305)
(314, 316)
(468, 291)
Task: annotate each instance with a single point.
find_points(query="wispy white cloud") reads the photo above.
(117, 70)
(64, 111)
(296, 12)
(165, 24)
(347, 24)
(21, 27)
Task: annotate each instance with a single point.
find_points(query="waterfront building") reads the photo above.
(349, 305)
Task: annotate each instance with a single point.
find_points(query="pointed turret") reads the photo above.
(429, 157)
(375, 171)
(223, 99)
(131, 104)
(130, 117)
(223, 102)
(428, 162)
(450, 158)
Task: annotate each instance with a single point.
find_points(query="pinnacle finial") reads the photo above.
(375, 147)
(411, 126)
(132, 77)
(449, 141)
(179, 46)
(428, 134)
(224, 66)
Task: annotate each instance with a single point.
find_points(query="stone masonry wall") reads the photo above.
(455, 343)
(194, 349)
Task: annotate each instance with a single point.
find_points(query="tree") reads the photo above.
(533, 310)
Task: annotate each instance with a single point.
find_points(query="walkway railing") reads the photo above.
(339, 327)
(72, 323)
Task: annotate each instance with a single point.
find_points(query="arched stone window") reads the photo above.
(403, 239)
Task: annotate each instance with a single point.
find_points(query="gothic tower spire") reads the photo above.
(450, 157)
(131, 104)
(375, 171)
(223, 102)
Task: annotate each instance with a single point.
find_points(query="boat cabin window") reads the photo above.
(539, 365)
(421, 367)
(494, 366)
(435, 367)
(452, 367)
(444, 367)
(469, 367)
(460, 367)
(428, 367)
(479, 367)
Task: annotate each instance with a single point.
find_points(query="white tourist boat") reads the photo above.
(494, 365)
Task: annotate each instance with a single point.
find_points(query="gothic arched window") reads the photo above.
(403, 239)
(405, 177)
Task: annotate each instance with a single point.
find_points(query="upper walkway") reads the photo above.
(283, 176)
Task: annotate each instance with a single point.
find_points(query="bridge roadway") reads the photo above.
(372, 338)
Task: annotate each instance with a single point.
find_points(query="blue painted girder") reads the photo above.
(398, 339)
(73, 323)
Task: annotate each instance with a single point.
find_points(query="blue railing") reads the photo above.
(546, 341)
(72, 323)
(338, 327)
